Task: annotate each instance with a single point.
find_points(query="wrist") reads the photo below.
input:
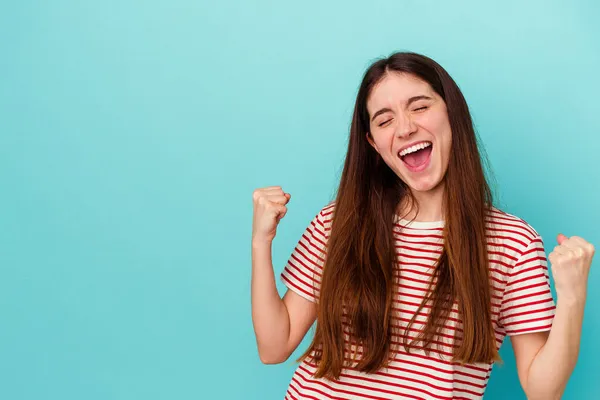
(571, 299)
(261, 243)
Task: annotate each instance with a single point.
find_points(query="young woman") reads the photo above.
(413, 276)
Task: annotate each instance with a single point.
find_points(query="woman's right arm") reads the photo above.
(279, 324)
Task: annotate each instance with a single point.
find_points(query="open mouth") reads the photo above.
(417, 157)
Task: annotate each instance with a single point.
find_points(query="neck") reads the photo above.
(430, 206)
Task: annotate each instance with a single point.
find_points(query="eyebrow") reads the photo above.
(408, 103)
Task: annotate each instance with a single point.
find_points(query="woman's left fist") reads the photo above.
(571, 260)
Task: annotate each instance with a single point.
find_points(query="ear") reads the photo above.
(370, 140)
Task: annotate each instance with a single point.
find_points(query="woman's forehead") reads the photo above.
(397, 87)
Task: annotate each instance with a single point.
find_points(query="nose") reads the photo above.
(405, 127)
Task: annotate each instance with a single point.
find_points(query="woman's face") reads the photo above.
(405, 111)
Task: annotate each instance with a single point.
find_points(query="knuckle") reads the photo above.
(257, 194)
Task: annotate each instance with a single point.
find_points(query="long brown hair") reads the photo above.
(357, 285)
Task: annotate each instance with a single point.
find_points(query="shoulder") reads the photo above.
(510, 230)
(326, 212)
(324, 219)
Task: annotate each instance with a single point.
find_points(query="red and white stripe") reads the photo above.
(521, 303)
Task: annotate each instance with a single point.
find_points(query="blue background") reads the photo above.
(132, 134)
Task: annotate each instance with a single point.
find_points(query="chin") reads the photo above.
(424, 185)
(421, 188)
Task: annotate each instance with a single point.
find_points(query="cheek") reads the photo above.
(439, 126)
(382, 140)
(436, 123)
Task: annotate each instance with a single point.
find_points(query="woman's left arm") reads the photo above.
(545, 360)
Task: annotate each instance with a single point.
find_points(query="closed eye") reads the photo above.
(420, 108)
(384, 122)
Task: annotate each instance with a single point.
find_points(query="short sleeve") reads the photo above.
(303, 271)
(527, 303)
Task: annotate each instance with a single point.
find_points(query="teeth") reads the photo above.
(414, 148)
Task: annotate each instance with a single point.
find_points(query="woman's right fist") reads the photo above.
(269, 208)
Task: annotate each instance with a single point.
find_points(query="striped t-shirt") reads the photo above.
(521, 303)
